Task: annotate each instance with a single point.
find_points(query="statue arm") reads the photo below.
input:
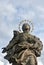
(37, 44)
(37, 48)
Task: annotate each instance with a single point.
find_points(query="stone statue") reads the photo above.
(24, 48)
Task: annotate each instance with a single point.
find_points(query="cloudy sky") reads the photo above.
(12, 12)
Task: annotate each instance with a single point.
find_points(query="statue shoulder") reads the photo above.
(34, 37)
(16, 33)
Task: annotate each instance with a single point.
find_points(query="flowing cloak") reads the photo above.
(23, 39)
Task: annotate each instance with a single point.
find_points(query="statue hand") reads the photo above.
(4, 50)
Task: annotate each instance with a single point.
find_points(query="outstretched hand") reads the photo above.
(4, 50)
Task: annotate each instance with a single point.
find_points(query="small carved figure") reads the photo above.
(24, 48)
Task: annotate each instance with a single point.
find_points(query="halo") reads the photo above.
(26, 21)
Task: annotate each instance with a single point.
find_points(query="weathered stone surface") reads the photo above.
(23, 49)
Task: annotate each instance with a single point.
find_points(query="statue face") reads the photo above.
(26, 27)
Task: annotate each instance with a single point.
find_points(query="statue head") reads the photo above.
(26, 27)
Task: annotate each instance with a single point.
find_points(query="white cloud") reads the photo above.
(7, 13)
(23, 3)
(40, 10)
(40, 63)
(41, 16)
(29, 15)
(5, 29)
(7, 10)
(9, 63)
(1, 63)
